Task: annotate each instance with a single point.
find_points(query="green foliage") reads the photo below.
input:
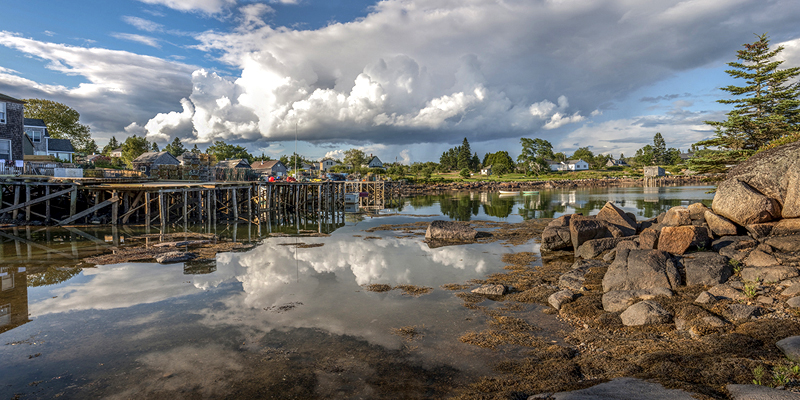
(765, 109)
(62, 122)
(91, 147)
(176, 147)
(354, 158)
(133, 147)
(154, 147)
(758, 375)
(112, 145)
(534, 155)
(501, 163)
(750, 289)
(584, 154)
(465, 173)
(397, 170)
(223, 151)
(458, 157)
(196, 150)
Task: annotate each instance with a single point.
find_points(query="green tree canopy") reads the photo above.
(61, 120)
(112, 145)
(766, 108)
(534, 155)
(501, 163)
(175, 147)
(133, 147)
(354, 158)
(584, 154)
(223, 151)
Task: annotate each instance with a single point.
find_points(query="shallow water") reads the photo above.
(275, 321)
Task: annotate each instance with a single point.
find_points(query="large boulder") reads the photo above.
(706, 268)
(583, 228)
(742, 204)
(450, 230)
(595, 247)
(678, 239)
(759, 231)
(648, 239)
(787, 244)
(615, 216)
(759, 258)
(645, 313)
(790, 347)
(560, 298)
(788, 226)
(697, 211)
(620, 300)
(556, 238)
(677, 216)
(575, 277)
(721, 226)
(775, 174)
(562, 221)
(641, 269)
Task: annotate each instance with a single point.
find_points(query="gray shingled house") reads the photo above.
(43, 144)
(234, 163)
(269, 168)
(11, 128)
(147, 161)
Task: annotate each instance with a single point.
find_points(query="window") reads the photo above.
(5, 149)
(2, 113)
(36, 134)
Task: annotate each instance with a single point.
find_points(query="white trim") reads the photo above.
(3, 113)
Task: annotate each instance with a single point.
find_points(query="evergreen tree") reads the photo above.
(112, 145)
(196, 150)
(155, 146)
(133, 147)
(464, 155)
(475, 163)
(176, 147)
(765, 109)
(659, 149)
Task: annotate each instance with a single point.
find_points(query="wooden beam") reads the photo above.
(73, 202)
(16, 201)
(88, 211)
(36, 201)
(114, 209)
(28, 202)
(47, 205)
(133, 207)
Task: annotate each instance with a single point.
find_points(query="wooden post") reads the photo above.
(114, 209)
(200, 205)
(147, 209)
(16, 201)
(46, 206)
(27, 200)
(250, 203)
(235, 205)
(73, 202)
(162, 212)
(185, 209)
(213, 209)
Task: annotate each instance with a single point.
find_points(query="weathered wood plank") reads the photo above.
(36, 201)
(88, 211)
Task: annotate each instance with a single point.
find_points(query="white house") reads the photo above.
(326, 164)
(577, 165)
(555, 165)
(486, 170)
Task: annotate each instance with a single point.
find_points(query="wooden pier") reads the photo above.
(53, 201)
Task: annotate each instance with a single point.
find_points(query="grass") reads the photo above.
(750, 289)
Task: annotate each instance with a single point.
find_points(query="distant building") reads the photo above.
(374, 162)
(686, 156)
(153, 159)
(653, 171)
(43, 145)
(571, 165)
(270, 168)
(487, 170)
(11, 128)
(116, 152)
(616, 163)
(234, 163)
(327, 164)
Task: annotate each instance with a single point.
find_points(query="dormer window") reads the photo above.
(36, 134)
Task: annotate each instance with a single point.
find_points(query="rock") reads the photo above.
(648, 223)
(768, 274)
(677, 216)
(737, 312)
(450, 230)
(765, 300)
(786, 244)
(775, 173)
(790, 346)
(705, 298)
(721, 226)
(491, 290)
(623, 389)
(794, 302)
(758, 392)
(595, 247)
(613, 215)
(575, 277)
(646, 312)
(726, 241)
(560, 298)
(583, 228)
(562, 221)
(175, 256)
(610, 256)
(758, 258)
(556, 238)
(660, 217)
(697, 321)
(706, 268)
(740, 203)
(620, 300)
(758, 231)
(182, 243)
(678, 239)
(793, 290)
(786, 227)
(648, 239)
(726, 291)
(641, 269)
(738, 250)
(697, 211)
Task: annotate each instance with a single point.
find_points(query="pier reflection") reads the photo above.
(13, 298)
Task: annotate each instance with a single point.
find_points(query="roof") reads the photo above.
(574, 161)
(34, 122)
(234, 163)
(153, 156)
(61, 145)
(10, 99)
(119, 150)
(265, 164)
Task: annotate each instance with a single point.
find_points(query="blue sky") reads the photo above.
(402, 79)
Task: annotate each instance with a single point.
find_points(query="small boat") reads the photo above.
(509, 192)
(528, 192)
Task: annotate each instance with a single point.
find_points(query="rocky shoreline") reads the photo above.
(485, 186)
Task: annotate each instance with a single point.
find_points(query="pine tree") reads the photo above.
(659, 149)
(112, 145)
(176, 147)
(766, 109)
(464, 155)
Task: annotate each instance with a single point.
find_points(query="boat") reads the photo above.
(530, 192)
(509, 192)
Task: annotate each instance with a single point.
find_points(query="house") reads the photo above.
(233, 163)
(270, 168)
(653, 171)
(487, 170)
(43, 145)
(686, 156)
(11, 128)
(576, 165)
(555, 165)
(116, 152)
(153, 159)
(326, 164)
(309, 167)
(374, 162)
(616, 163)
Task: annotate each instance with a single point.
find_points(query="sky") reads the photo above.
(401, 79)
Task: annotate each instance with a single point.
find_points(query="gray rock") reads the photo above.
(793, 290)
(697, 321)
(794, 302)
(556, 238)
(705, 298)
(785, 244)
(740, 203)
(557, 299)
(450, 230)
(790, 346)
(769, 274)
(624, 389)
(738, 250)
(648, 223)
(562, 221)
(677, 216)
(595, 247)
(610, 256)
(706, 268)
(758, 258)
(641, 269)
(725, 241)
(646, 312)
(620, 300)
(491, 290)
(765, 300)
(758, 392)
(725, 291)
(721, 226)
(613, 215)
(583, 228)
(175, 256)
(759, 231)
(788, 226)
(737, 312)
(697, 211)
(648, 239)
(575, 277)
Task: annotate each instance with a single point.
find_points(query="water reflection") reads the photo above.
(13, 297)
